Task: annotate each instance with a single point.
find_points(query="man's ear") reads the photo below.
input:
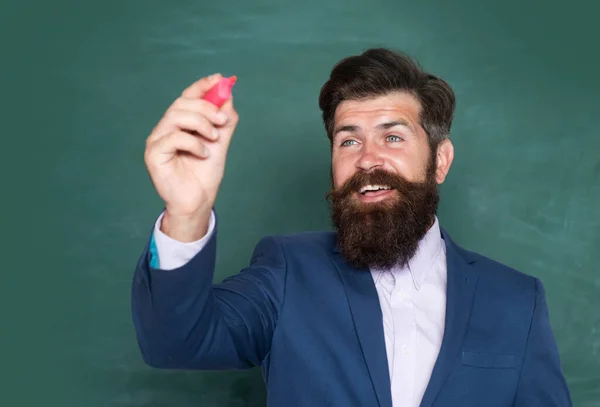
(443, 157)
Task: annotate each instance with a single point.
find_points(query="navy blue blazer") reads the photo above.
(314, 325)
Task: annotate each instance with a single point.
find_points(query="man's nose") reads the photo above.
(370, 158)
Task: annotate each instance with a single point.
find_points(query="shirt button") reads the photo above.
(404, 350)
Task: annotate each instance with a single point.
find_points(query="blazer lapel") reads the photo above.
(462, 280)
(367, 316)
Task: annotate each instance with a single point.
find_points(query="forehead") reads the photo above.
(393, 104)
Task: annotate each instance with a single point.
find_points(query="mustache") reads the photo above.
(374, 177)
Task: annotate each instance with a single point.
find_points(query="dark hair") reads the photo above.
(379, 71)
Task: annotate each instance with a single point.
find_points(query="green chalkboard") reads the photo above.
(84, 82)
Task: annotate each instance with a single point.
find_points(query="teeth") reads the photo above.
(373, 188)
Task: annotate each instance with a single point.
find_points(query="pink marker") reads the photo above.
(221, 92)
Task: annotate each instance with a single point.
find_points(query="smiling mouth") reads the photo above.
(373, 190)
(375, 193)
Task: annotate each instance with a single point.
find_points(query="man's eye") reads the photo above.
(347, 142)
(393, 137)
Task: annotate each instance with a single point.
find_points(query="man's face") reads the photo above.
(384, 179)
(381, 133)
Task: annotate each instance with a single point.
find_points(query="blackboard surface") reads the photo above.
(83, 83)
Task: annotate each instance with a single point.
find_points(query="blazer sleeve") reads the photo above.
(184, 321)
(542, 382)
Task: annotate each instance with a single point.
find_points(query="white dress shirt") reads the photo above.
(412, 301)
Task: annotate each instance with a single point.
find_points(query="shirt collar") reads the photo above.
(424, 258)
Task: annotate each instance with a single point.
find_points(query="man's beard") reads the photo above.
(383, 234)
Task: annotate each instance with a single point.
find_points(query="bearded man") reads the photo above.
(387, 310)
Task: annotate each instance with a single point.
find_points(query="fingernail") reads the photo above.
(215, 133)
(221, 117)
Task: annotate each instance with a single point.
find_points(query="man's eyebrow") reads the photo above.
(383, 126)
(389, 125)
(348, 128)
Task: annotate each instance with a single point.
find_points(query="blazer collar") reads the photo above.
(460, 291)
(366, 313)
(367, 317)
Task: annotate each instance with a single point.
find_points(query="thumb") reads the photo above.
(230, 112)
(227, 129)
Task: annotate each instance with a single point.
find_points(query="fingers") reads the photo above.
(189, 113)
(194, 123)
(196, 90)
(193, 115)
(179, 141)
(210, 111)
(201, 86)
